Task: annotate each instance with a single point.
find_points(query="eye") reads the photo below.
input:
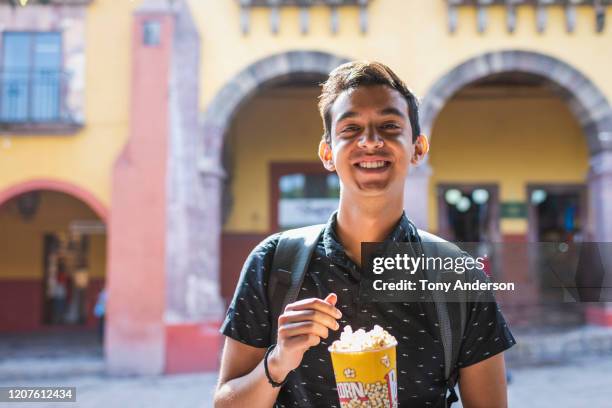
(391, 126)
(350, 128)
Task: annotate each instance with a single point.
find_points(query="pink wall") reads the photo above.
(21, 305)
(135, 339)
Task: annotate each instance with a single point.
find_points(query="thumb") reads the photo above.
(332, 298)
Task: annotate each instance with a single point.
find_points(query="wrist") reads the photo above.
(275, 367)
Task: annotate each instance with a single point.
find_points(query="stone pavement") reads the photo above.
(558, 346)
(100, 391)
(53, 354)
(584, 383)
(581, 384)
(568, 370)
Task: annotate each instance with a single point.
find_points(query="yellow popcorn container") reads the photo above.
(366, 378)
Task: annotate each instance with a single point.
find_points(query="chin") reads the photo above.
(374, 188)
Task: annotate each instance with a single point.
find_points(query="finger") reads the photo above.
(313, 340)
(298, 328)
(332, 299)
(293, 316)
(303, 341)
(316, 304)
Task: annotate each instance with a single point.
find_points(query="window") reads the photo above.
(151, 32)
(307, 198)
(31, 77)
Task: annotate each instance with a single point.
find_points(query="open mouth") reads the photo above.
(373, 166)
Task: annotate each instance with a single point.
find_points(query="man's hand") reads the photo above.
(303, 324)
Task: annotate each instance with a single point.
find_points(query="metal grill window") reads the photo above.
(32, 78)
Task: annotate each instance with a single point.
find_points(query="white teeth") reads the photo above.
(372, 165)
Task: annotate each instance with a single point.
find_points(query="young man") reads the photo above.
(371, 139)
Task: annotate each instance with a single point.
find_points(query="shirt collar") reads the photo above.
(404, 231)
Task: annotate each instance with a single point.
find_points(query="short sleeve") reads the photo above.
(486, 332)
(248, 316)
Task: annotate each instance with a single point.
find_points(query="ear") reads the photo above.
(325, 154)
(421, 147)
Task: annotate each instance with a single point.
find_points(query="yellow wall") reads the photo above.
(510, 142)
(21, 242)
(410, 36)
(86, 158)
(276, 126)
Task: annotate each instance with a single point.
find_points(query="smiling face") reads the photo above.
(371, 140)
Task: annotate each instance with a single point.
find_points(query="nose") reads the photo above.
(370, 139)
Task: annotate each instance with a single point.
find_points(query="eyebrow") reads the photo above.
(346, 115)
(386, 111)
(392, 111)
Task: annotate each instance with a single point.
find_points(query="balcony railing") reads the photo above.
(35, 96)
(541, 6)
(304, 3)
(304, 20)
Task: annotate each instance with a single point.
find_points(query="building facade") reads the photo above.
(63, 121)
(152, 144)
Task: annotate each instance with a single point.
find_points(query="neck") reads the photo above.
(369, 219)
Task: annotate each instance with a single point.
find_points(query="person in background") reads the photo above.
(59, 293)
(100, 313)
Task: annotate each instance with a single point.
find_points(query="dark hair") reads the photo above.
(363, 73)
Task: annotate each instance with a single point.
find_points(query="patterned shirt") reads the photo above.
(420, 355)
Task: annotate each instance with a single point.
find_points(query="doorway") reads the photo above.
(468, 212)
(302, 194)
(65, 279)
(557, 212)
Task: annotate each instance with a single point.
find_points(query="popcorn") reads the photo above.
(349, 373)
(365, 368)
(361, 340)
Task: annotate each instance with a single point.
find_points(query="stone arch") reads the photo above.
(204, 198)
(589, 105)
(24, 307)
(274, 68)
(590, 108)
(584, 99)
(60, 186)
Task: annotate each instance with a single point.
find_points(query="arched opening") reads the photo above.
(497, 141)
(514, 135)
(275, 180)
(263, 129)
(509, 164)
(52, 267)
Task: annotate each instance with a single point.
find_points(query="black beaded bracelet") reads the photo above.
(270, 380)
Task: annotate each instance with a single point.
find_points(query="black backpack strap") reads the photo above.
(289, 265)
(451, 316)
